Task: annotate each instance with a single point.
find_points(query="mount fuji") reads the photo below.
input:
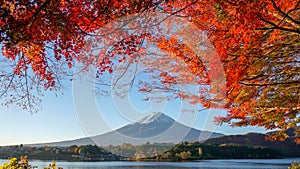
(154, 128)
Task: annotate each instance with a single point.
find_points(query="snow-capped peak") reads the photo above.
(156, 117)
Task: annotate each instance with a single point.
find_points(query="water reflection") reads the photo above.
(205, 164)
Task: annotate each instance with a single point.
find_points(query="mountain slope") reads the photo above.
(288, 148)
(156, 127)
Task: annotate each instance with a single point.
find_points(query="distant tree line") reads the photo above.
(140, 151)
(196, 151)
(71, 153)
(147, 151)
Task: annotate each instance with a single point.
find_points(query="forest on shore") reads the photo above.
(145, 152)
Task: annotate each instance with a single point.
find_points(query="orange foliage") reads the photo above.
(256, 42)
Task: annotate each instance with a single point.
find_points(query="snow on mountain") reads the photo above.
(156, 118)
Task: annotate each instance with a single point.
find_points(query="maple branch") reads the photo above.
(192, 3)
(268, 84)
(27, 90)
(270, 109)
(34, 17)
(270, 75)
(140, 13)
(54, 70)
(275, 26)
(119, 28)
(286, 15)
(122, 74)
(8, 86)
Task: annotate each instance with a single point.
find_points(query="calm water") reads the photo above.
(205, 164)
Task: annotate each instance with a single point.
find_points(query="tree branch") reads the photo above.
(275, 26)
(285, 14)
(34, 17)
(268, 84)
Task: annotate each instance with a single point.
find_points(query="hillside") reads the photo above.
(287, 148)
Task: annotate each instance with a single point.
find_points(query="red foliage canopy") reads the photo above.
(257, 43)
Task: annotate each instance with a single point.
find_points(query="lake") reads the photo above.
(204, 164)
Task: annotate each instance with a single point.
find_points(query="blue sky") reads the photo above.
(59, 119)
